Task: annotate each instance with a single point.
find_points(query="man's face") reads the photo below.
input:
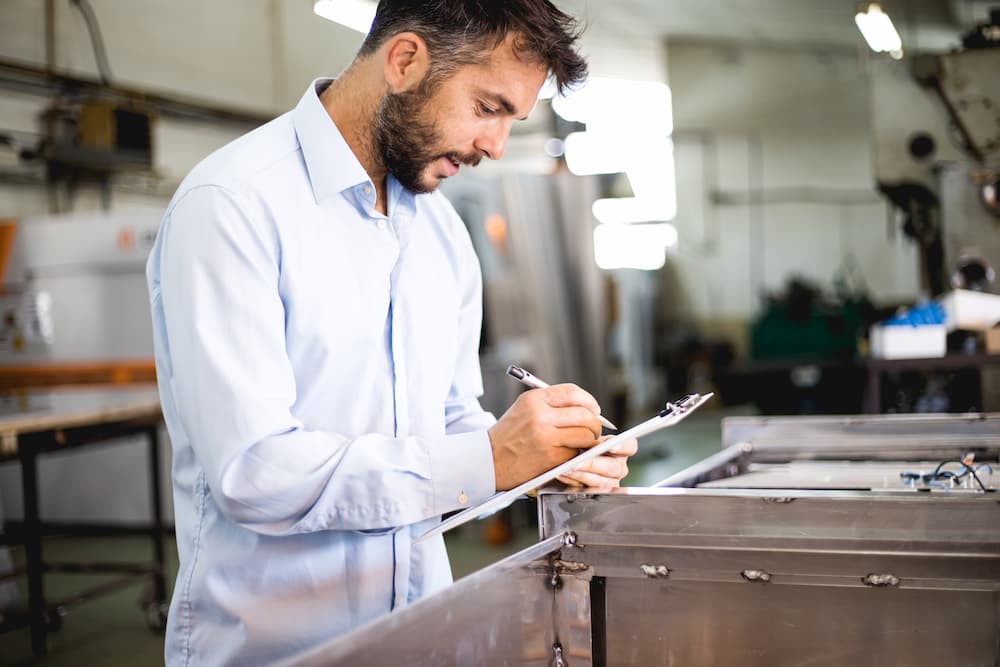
(424, 136)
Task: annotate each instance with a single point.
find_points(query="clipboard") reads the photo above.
(671, 414)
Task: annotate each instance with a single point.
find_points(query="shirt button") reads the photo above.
(368, 190)
(381, 223)
(462, 497)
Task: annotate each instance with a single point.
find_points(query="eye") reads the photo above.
(485, 109)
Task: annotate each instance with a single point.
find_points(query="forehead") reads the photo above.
(504, 72)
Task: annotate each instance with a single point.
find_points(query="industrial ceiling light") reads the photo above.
(355, 14)
(642, 247)
(878, 31)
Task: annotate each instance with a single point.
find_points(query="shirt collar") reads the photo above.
(331, 164)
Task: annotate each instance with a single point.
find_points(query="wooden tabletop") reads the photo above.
(35, 412)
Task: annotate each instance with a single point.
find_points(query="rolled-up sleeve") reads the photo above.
(234, 389)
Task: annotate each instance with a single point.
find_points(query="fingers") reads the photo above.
(590, 480)
(551, 408)
(545, 427)
(627, 448)
(575, 437)
(576, 416)
(566, 395)
(612, 467)
(600, 472)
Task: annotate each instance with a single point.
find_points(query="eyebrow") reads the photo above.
(499, 99)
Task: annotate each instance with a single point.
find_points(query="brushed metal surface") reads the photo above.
(507, 614)
(764, 624)
(737, 576)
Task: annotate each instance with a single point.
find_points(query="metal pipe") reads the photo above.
(29, 78)
(50, 36)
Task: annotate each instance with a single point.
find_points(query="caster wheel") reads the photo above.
(156, 616)
(54, 619)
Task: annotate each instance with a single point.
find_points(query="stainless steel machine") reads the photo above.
(800, 543)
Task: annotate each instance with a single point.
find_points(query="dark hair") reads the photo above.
(459, 32)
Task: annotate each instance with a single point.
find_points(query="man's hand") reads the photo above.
(605, 471)
(544, 427)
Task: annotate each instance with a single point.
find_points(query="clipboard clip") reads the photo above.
(681, 406)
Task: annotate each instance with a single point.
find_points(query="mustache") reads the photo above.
(471, 160)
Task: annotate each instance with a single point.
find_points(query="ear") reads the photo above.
(406, 62)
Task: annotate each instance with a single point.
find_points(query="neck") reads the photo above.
(351, 101)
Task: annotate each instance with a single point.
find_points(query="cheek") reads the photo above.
(462, 135)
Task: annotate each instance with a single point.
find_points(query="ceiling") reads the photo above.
(931, 24)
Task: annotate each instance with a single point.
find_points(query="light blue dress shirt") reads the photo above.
(319, 374)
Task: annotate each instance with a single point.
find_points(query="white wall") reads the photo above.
(254, 55)
(788, 127)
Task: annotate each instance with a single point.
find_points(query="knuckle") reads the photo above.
(534, 398)
(524, 401)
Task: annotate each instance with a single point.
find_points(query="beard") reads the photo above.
(407, 142)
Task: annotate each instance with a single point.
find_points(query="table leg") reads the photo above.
(159, 580)
(33, 551)
(873, 391)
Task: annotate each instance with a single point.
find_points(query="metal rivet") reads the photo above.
(557, 656)
(880, 580)
(756, 575)
(655, 571)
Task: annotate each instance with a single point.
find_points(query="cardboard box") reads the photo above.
(971, 311)
(993, 340)
(908, 342)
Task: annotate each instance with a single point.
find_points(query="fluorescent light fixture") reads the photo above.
(877, 29)
(589, 153)
(628, 131)
(648, 163)
(625, 210)
(619, 106)
(641, 247)
(355, 14)
(652, 177)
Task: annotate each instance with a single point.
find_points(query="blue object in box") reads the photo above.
(930, 312)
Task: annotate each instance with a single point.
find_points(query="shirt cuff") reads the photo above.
(461, 471)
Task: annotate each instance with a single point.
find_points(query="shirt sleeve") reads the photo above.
(233, 386)
(463, 413)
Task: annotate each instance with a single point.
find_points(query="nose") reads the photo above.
(493, 141)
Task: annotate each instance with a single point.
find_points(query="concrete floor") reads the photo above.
(112, 630)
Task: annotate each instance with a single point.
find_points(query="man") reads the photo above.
(316, 310)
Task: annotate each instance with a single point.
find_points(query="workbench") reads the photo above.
(798, 543)
(34, 424)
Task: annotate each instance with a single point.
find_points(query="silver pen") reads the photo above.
(524, 377)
